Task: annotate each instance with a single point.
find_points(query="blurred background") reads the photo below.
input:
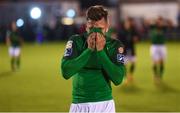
(58, 19)
(45, 25)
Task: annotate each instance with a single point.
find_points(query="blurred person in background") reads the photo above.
(158, 49)
(14, 42)
(129, 36)
(94, 61)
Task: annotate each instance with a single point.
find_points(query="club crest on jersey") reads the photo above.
(120, 58)
(69, 49)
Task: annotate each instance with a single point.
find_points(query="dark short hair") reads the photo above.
(96, 13)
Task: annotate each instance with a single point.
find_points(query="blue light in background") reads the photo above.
(71, 13)
(19, 22)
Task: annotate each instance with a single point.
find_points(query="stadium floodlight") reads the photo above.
(19, 22)
(35, 13)
(71, 13)
(67, 21)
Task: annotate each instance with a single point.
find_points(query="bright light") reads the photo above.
(70, 13)
(19, 22)
(35, 13)
(67, 21)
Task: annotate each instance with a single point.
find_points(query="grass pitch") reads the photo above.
(39, 86)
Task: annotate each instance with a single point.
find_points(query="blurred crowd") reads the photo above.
(143, 27)
(33, 32)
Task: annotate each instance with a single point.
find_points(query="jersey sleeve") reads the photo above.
(72, 60)
(115, 69)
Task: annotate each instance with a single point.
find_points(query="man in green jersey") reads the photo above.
(14, 41)
(158, 49)
(93, 60)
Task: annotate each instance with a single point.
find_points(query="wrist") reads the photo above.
(100, 51)
(90, 49)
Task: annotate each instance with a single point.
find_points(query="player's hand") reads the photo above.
(100, 42)
(92, 41)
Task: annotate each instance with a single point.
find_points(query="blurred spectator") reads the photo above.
(129, 36)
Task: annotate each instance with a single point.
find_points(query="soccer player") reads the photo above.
(129, 37)
(94, 61)
(14, 41)
(158, 49)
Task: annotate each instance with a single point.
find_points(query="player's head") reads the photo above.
(97, 16)
(159, 22)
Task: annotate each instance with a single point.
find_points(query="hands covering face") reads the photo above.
(96, 41)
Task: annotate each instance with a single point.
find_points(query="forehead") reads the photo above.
(102, 21)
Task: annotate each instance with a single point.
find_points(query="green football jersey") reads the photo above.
(14, 38)
(157, 36)
(92, 71)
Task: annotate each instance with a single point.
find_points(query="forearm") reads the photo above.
(69, 67)
(114, 72)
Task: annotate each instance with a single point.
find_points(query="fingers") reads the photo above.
(91, 41)
(100, 39)
(100, 42)
(96, 40)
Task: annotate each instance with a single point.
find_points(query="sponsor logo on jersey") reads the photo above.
(69, 49)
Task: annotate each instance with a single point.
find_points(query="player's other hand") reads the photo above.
(92, 41)
(100, 42)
